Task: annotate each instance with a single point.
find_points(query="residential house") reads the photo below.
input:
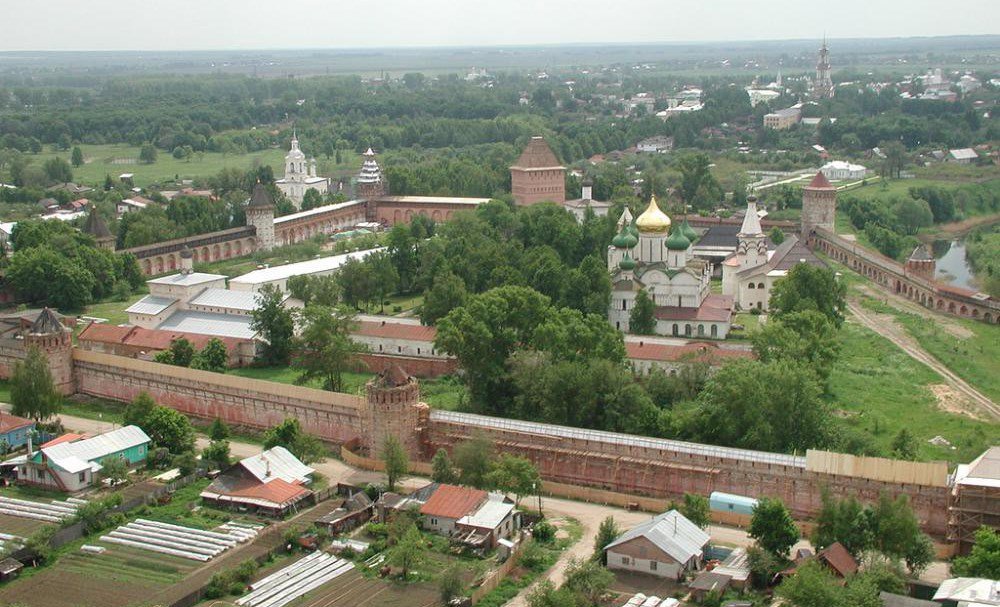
(272, 482)
(355, 510)
(839, 170)
(967, 591)
(14, 432)
(709, 582)
(963, 156)
(667, 546)
(72, 463)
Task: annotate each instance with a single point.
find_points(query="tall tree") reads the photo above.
(408, 552)
(808, 287)
(213, 357)
(77, 158)
(607, 532)
(138, 411)
(695, 508)
(983, 561)
(803, 336)
(275, 325)
(324, 349)
(395, 460)
(289, 434)
(474, 459)
(641, 320)
(170, 429)
(32, 391)
(446, 293)
(442, 470)
(147, 153)
(772, 526)
(513, 474)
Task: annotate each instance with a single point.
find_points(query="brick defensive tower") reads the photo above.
(260, 215)
(393, 408)
(537, 175)
(819, 205)
(921, 263)
(50, 336)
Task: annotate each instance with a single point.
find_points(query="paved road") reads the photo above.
(887, 327)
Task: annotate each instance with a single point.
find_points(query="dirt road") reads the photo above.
(886, 326)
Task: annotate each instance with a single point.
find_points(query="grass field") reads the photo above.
(101, 160)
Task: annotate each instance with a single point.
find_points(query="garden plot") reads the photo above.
(288, 584)
(176, 540)
(53, 511)
(9, 541)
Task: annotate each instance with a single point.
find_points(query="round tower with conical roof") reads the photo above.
(48, 334)
(260, 215)
(819, 205)
(392, 408)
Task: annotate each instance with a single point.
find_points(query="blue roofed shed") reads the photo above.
(729, 502)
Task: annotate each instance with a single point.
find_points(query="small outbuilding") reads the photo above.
(667, 546)
(9, 569)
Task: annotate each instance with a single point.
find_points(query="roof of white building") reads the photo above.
(842, 165)
(318, 210)
(277, 462)
(975, 590)
(490, 515)
(151, 304)
(313, 266)
(80, 455)
(672, 533)
(224, 298)
(186, 280)
(964, 154)
(208, 323)
(984, 471)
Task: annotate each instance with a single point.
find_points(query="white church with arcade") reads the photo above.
(300, 175)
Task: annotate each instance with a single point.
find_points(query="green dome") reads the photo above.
(634, 231)
(677, 241)
(631, 240)
(619, 240)
(688, 231)
(627, 263)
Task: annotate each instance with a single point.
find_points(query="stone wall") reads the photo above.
(238, 401)
(415, 366)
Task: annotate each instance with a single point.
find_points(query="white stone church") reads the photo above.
(300, 176)
(649, 256)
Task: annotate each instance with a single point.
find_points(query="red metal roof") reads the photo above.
(10, 422)
(820, 182)
(839, 559)
(454, 502)
(669, 353)
(715, 308)
(393, 330)
(277, 491)
(150, 339)
(69, 437)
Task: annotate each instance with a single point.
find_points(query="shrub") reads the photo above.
(544, 532)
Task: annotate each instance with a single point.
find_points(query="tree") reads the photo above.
(805, 336)
(396, 462)
(450, 584)
(213, 357)
(641, 320)
(588, 579)
(897, 533)
(447, 293)
(983, 561)
(147, 153)
(217, 452)
(513, 474)
(357, 283)
(77, 158)
(695, 508)
(546, 595)
(773, 528)
(311, 199)
(807, 287)
(218, 430)
(812, 586)
(776, 235)
(170, 429)
(181, 352)
(138, 411)
(442, 470)
(607, 532)
(474, 458)
(913, 214)
(289, 434)
(57, 170)
(904, 446)
(43, 275)
(385, 276)
(274, 324)
(114, 469)
(408, 552)
(843, 521)
(32, 391)
(696, 178)
(324, 349)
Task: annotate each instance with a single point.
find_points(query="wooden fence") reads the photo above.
(500, 573)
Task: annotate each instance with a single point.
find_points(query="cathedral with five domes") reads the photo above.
(652, 255)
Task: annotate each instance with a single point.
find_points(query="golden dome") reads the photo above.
(653, 220)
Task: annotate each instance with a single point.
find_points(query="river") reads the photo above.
(952, 264)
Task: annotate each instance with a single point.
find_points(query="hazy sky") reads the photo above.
(253, 24)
